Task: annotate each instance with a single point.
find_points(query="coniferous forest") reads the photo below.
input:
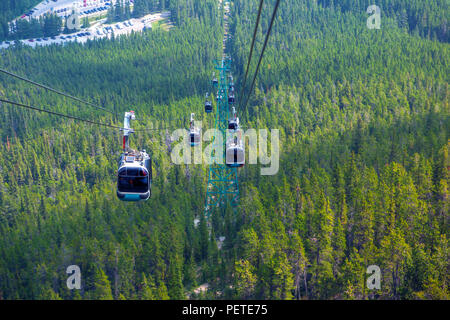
(364, 128)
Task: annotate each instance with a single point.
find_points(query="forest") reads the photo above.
(364, 166)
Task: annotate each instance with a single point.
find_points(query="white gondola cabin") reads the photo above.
(194, 132)
(235, 152)
(208, 105)
(134, 176)
(233, 123)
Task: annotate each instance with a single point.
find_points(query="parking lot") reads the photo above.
(64, 8)
(97, 31)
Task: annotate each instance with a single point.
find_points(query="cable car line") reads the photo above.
(252, 46)
(55, 91)
(77, 118)
(153, 129)
(59, 114)
(262, 52)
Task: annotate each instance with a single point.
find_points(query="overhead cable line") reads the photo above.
(262, 52)
(252, 46)
(58, 114)
(153, 129)
(77, 118)
(55, 91)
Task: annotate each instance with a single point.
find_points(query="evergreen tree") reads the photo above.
(245, 280)
(102, 287)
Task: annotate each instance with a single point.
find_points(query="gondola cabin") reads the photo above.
(235, 153)
(233, 124)
(194, 137)
(134, 176)
(231, 85)
(194, 132)
(208, 107)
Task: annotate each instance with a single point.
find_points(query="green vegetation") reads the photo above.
(119, 12)
(364, 122)
(47, 26)
(144, 7)
(11, 9)
(122, 9)
(426, 18)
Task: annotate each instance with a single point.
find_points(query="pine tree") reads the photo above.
(102, 286)
(127, 11)
(298, 260)
(175, 285)
(282, 280)
(146, 288)
(161, 292)
(244, 279)
(396, 254)
(204, 238)
(86, 23)
(49, 294)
